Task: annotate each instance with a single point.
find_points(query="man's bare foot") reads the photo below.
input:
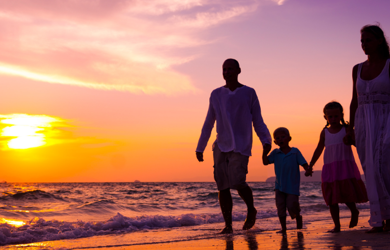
(250, 220)
(375, 230)
(354, 219)
(284, 232)
(386, 228)
(335, 230)
(299, 222)
(227, 230)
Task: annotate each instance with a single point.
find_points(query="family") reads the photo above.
(236, 108)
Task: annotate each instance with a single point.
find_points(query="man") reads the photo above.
(235, 107)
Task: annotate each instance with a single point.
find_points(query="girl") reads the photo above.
(341, 181)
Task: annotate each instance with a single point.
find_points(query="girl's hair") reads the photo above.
(335, 105)
(378, 33)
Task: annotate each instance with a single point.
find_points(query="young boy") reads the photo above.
(287, 161)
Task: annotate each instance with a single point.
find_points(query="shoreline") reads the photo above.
(313, 236)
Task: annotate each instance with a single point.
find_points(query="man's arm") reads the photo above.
(258, 122)
(266, 150)
(199, 156)
(206, 132)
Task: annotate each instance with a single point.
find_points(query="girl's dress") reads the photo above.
(341, 180)
(372, 131)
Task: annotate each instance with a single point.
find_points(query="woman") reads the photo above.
(370, 115)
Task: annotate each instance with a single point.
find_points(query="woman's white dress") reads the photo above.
(372, 131)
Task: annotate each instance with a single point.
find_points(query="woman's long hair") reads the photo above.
(378, 33)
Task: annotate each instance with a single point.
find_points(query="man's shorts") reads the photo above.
(287, 201)
(230, 169)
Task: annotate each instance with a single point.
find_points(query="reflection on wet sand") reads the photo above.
(296, 243)
(250, 238)
(229, 242)
(356, 239)
(338, 246)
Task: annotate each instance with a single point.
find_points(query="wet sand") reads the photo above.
(313, 236)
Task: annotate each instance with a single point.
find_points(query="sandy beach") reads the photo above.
(313, 236)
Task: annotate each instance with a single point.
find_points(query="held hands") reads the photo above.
(349, 138)
(199, 156)
(266, 148)
(309, 171)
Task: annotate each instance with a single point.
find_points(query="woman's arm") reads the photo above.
(349, 138)
(354, 101)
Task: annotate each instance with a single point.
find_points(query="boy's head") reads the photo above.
(282, 137)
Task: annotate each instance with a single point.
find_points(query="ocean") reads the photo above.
(36, 212)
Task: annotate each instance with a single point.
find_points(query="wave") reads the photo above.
(39, 229)
(30, 195)
(206, 196)
(132, 191)
(64, 192)
(266, 189)
(98, 204)
(319, 207)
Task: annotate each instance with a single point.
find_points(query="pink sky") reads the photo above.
(132, 79)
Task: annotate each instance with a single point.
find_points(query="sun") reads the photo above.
(27, 131)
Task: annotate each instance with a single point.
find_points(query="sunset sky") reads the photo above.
(118, 90)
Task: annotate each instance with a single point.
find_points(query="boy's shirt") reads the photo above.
(287, 169)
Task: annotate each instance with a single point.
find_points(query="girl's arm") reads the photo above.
(319, 149)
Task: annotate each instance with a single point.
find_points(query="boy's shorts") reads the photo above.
(287, 201)
(230, 169)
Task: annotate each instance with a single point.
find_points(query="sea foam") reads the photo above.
(39, 229)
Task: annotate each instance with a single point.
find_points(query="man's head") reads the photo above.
(282, 137)
(231, 69)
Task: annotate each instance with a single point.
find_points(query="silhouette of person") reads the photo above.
(234, 107)
(370, 116)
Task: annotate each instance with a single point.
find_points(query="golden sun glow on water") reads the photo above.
(16, 223)
(27, 131)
